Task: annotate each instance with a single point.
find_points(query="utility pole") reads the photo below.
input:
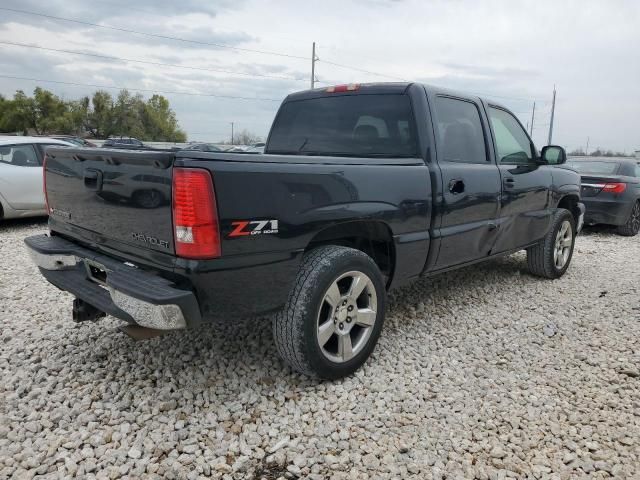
(586, 150)
(553, 111)
(232, 133)
(313, 65)
(533, 115)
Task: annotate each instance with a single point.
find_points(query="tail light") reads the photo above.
(44, 182)
(614, 187)
(195, 214)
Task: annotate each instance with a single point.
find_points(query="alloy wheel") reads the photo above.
(562, 247)
(347, 316)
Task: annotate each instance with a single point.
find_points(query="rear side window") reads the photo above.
(512, 142)
(19, 155)
(460, 131)
(346, 125)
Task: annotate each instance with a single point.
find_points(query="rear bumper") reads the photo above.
(124, 291)
(610, 212)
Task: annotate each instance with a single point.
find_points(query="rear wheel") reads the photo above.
(334, 315)
(551, 257)
(632, 226)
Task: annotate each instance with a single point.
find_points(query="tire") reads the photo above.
(632, 225)
(325, 279)
(551, 257)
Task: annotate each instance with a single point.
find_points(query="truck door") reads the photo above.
(470, 182)
(524, 205)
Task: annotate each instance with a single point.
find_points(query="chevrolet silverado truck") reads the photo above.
(361, 188)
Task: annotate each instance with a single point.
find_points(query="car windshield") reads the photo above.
(346, 125)
(604, 168)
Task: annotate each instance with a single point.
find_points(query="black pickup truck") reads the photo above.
(361, 188)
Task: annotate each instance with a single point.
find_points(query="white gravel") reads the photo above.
(486, 372)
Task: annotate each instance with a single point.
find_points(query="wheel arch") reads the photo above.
(570, 202)
(373, 237)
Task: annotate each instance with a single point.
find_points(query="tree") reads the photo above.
(160, 121)
(100, 115)
(99, 119)
(21, 115)
(48, 111)
(245, 137)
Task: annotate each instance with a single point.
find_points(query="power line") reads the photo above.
(153, 35)
(357, 69)
(168, 92)
(218, 45)
(108, 57)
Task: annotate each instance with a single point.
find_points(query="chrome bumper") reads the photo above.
(124, 291)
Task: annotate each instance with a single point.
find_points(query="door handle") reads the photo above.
(456, 186)
(509, 182)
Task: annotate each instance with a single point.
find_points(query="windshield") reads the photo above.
(346, 125)
(604, 168)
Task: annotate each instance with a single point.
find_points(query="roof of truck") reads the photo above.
(382, 88)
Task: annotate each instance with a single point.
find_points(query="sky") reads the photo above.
(512, 52)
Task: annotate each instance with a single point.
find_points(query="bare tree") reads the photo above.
(246, 137)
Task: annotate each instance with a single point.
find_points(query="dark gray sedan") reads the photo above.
(610, 191)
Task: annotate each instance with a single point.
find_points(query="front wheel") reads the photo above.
(550, 258)
(334, 315)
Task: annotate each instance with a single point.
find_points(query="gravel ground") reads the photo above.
(486, 372)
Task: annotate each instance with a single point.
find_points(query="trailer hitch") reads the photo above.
(83, 311)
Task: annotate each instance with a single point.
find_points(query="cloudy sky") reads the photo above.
(510, 51)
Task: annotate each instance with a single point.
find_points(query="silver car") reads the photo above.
(21, 159)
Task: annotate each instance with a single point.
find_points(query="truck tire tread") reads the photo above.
(540, 256)
(289, 322)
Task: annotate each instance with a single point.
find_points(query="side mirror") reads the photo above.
(553, 155)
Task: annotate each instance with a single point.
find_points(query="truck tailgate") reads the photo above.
(119, 195)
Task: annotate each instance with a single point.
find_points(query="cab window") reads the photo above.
(512, 143)
(460, 131)
(19, 155)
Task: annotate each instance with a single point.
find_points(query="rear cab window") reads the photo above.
(460, 131)
(366, 125)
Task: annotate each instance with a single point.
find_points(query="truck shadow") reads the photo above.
(240, 355)
(23, 222)
(590, 230)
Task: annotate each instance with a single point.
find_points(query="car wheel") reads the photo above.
(632, 226)
(334, 314)
(551, 257)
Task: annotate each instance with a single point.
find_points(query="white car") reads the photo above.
(21, 159)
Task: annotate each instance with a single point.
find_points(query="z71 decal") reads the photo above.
(253, 227)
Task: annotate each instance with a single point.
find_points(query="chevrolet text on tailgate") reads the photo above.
(362, 188)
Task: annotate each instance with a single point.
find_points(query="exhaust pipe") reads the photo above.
(136, 332)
